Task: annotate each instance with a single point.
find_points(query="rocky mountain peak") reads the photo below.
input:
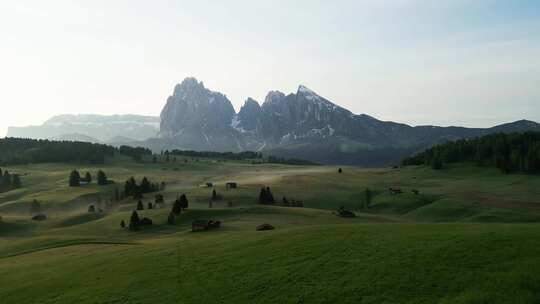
(251, 102)
(273, 97)
(188, 84)
(192, 106)
(305, 90)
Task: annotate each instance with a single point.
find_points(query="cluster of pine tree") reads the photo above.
(266, 197)
(516, 152)
(131, 188)
(181, 203)
(75, 178)
(134, 152)
(289, 161)
(135, 223)
(15, 151)
(9, 181)
(210, 154)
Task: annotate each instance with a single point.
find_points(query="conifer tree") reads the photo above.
(177, 207)
(16, 181)
(102, 178)
(88, 177)
(134, 221)
(74, 179)
(159, 199)
(184, 203)
(145, 185)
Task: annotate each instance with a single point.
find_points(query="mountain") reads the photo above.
(300, 125)
(95, 128)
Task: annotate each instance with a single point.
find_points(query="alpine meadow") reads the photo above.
(125, 179)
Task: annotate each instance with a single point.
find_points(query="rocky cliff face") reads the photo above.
(199, 119)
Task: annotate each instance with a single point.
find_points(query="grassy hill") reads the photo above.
(470, 236)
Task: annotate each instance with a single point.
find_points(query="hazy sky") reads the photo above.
(462, 62)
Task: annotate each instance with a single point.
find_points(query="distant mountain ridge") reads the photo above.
(91, 128)
(301, 125)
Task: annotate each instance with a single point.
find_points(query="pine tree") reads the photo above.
(140, 205)
(102, 178)
(159, 199)
(266, 196)
(184, 203)
(150, 206)
(145, 185)
(88, 177)
(16, 181)
(270, 196)
(214, 195)
(5, 181)
(130, 188)
(134, 221)
(285, 201)
(177, 207)
(123, 224)
(74, 179)
(262, 196)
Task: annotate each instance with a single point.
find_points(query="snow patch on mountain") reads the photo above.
(235, 124)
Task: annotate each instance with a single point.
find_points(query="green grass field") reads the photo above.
(470, 236)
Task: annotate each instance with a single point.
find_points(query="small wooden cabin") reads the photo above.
(395, 190)
(202, 225)
(231, 185)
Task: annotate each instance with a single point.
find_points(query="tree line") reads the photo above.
(211, 154)
(9, 181)
(17, 151)
(75, 178)
(515, 152)
(245, 155)
(289, 161)
(131, 188)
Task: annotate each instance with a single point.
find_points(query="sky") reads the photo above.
(446, 62)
